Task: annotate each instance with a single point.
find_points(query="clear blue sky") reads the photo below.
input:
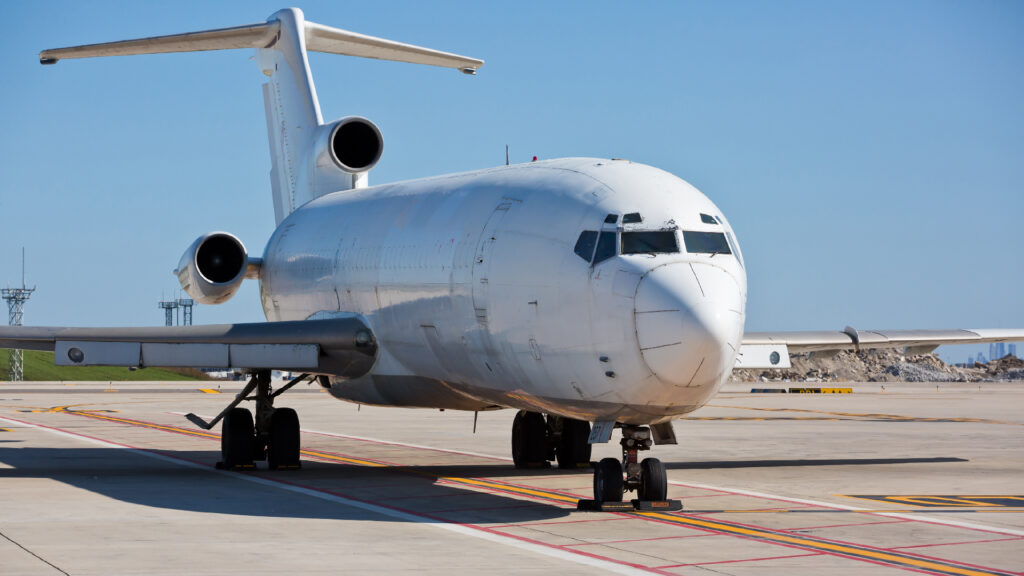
(870, 155)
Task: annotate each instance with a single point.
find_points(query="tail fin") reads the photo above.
(294, 123)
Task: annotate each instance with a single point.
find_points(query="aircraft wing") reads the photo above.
(339, 346)
(772, 349)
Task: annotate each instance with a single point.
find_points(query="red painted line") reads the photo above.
(956, 543)
(604, 542)
(744, 560)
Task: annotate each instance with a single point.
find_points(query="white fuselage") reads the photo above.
(477, 297)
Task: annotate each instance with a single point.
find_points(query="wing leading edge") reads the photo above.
(341, 346)
(772, 349)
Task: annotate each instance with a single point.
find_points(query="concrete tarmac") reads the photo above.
(101, 478)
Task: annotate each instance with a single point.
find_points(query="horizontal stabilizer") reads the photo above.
(318, 38)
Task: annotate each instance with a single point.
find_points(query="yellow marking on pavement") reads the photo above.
(5, 429)
(846, 550)
(946, 500)
(209, 391)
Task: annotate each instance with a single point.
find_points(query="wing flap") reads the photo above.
(338, 346)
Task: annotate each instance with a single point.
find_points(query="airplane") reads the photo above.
(588, 294)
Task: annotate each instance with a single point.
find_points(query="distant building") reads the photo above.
(1012, 350)
(970, 361)
(981, 358)
(996, 350)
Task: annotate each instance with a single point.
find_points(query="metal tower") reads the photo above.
(169, 308)
(16, 298)
(186, 310)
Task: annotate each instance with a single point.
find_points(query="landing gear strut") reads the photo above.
(273, 435)
(537, 440)
(612, 478)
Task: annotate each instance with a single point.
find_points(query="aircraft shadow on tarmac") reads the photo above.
(135, 479)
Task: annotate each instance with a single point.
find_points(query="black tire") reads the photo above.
(283, 446)
(529, 440)
(237, 435)
(653, 480)
(573, 448)
(608, 481)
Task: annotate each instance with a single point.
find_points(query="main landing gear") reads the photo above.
(646, 476)
(272, 436)
(536, 441)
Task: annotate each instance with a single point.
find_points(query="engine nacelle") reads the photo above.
(213, 268)
(353, 144)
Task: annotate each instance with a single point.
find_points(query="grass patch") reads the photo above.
(38, 366)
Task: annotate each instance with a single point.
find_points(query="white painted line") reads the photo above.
(457, 528)
(819, 503)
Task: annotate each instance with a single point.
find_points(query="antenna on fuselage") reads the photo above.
(506, 154)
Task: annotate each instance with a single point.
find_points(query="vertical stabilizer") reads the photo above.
(292, 110)
(308, 158)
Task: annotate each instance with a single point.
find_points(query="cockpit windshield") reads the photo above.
(706, 242)
(650, 242)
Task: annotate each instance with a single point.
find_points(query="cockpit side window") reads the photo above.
(650, 242)
(708, 219)
(585, 244)
(706, 242)
(606, 247)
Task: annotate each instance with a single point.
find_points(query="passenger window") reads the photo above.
(653, 242)
(708, 219)
(606, 247)
(632, 218)
(706, 243)
(585, 245)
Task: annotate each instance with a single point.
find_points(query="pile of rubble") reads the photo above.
(883, 366)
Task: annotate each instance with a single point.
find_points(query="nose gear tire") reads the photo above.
(608, 481)
(653, 480)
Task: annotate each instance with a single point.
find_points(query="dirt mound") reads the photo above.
(883, 366)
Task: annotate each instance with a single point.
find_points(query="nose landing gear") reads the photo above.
(613, 478)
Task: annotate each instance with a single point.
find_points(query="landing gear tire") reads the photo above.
(573, 448)
(237, 438)
(283, 443)
(653, 480)
(608, 481)
(529, 440)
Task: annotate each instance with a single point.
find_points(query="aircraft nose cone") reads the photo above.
(689, 319)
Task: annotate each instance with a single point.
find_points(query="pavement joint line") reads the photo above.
(844, 549)
(31, 553)
(482, 532)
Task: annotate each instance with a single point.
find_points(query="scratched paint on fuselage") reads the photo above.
(471, 281)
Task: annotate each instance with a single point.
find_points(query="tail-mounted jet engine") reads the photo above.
(213, 267)
(353, 144)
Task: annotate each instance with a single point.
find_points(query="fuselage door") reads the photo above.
(482, 260)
